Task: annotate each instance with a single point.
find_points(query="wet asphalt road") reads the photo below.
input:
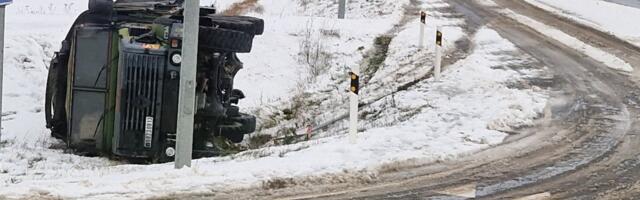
(631, 3)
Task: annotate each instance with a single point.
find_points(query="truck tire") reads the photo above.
(233, 111)
(237, 25)
(248, 122)
(225, 40)
(101, 6)
(232, 131)
(250, 25)
(259, 23)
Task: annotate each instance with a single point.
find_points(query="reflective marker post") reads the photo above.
(354, 90)
(187, 93)
(436, 71)
(423, 23)
(3, 4)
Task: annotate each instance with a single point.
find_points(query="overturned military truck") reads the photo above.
(112, 89)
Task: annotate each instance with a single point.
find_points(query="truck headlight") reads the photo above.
(176, 59)
(170, 152)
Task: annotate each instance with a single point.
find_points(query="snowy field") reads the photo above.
(478, 97)
(616, 19)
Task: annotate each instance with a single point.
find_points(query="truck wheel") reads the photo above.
(233, 111)
(225, 40)
(101, 6)
(248, 122)
(257, 21)
(250, 25)
(232, 131)
(237, 25)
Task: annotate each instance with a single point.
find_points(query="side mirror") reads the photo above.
(238, 93)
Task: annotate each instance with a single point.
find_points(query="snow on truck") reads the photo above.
(112, 89)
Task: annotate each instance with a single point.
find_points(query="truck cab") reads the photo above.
(113, 87)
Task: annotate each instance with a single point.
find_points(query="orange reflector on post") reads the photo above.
(355, 83)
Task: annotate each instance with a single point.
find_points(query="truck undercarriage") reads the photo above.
(113, 87)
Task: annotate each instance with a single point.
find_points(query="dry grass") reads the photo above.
(240, 8)
(278, 183)
(259, 140)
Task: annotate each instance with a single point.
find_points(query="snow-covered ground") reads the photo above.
(600, 55)
(430, 121)
(278, 61)
(616, 19)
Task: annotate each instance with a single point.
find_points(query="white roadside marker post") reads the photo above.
(187, 92)
(436, 71)
(3, 4)
(354, 90)
(423, 23)
(342, 8)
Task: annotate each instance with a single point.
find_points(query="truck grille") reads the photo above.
(140, 93)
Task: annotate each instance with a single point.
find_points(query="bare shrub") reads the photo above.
(259, 140)
(258, 9)
(313, 51)
(304, 3)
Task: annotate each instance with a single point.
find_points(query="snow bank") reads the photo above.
(275, 69)
(275, 62)
(608, 17)
(403, 62)
(406, 61)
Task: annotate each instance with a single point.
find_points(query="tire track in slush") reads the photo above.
(589, 151)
